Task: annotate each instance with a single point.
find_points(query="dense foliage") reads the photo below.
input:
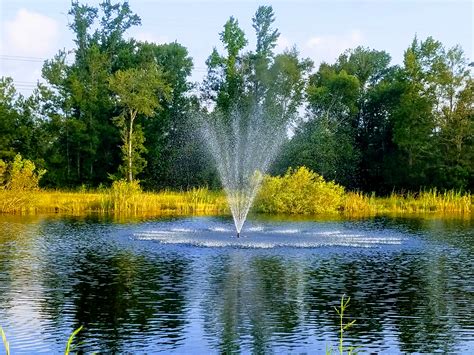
(299, 191)
(123, 109)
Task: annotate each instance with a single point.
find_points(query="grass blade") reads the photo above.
(5, 342)
(70, 340)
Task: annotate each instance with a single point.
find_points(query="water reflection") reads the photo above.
(135, 296)
(123, 294)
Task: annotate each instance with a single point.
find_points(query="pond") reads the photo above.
(187, 285)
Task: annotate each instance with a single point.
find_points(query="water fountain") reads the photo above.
(243, 145)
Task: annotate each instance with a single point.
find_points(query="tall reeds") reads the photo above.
(119, 199)
(297, 192)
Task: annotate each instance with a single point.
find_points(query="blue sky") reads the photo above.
(319, 29)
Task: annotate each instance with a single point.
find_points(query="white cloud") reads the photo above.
(30, 34)
(328, 47)
(150, 37)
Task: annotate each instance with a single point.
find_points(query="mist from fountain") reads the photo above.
(243, 146)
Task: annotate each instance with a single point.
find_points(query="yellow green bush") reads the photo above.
(18, 179)
(299, 191)
(20, 175)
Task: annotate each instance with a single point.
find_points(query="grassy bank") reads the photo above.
(196, 201)
(302, 191)
(298, 192)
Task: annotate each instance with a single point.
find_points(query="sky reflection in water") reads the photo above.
(187, 285)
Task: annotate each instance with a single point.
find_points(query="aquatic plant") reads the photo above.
(69, 346)
(5, 342)
(342, 328)
(71, 339)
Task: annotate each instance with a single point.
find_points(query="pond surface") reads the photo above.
(186, 285)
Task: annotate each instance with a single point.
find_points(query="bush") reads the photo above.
(299, 191)
(20, 175)
(17, 181)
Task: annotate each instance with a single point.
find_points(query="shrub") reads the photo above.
(299, 191)
(20, 175)
(17, 180)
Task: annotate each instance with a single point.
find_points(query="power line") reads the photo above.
(21, 59)
(41, 59)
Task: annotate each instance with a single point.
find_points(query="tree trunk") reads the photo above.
(130, 133)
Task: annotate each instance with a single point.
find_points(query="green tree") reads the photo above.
(174, 157)
(245, 86)
(433, 122)
(455, 122)
(138, 92)
(77, 98)
(243, 80)
(346, 134)
(21, 128)
(326, 141)
(267, 38)
(19, 174)
(8, 117)
(224, 82)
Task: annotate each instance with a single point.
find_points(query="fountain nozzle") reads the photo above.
(238, 234)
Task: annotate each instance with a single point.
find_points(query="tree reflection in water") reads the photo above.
(57, 274)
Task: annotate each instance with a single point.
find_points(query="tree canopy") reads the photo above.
(122, 108)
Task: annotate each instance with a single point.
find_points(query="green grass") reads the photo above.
(69, 345)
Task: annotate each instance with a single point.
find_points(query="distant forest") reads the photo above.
(122, 108)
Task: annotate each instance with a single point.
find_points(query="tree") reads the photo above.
(8, 116)
(433, 122)
(326, 141)
(254, 93)
(138, 92)
(175, 158)
(224, 82)
(21, 130)
(76, 100)
(244, 80)
(455, 122)
(266, 42)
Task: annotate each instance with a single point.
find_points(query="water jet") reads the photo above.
(243, 144)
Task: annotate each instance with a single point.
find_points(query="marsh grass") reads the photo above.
(429, 201)
(298, 192)
(301, 191)
(118, 200)
(206, 202)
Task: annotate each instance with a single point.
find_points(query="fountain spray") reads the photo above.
(243, 145)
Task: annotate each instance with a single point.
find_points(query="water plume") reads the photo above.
(243, 144)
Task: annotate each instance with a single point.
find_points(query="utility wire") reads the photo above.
(40, 59)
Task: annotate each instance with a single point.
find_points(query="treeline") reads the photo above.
(121, 108)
